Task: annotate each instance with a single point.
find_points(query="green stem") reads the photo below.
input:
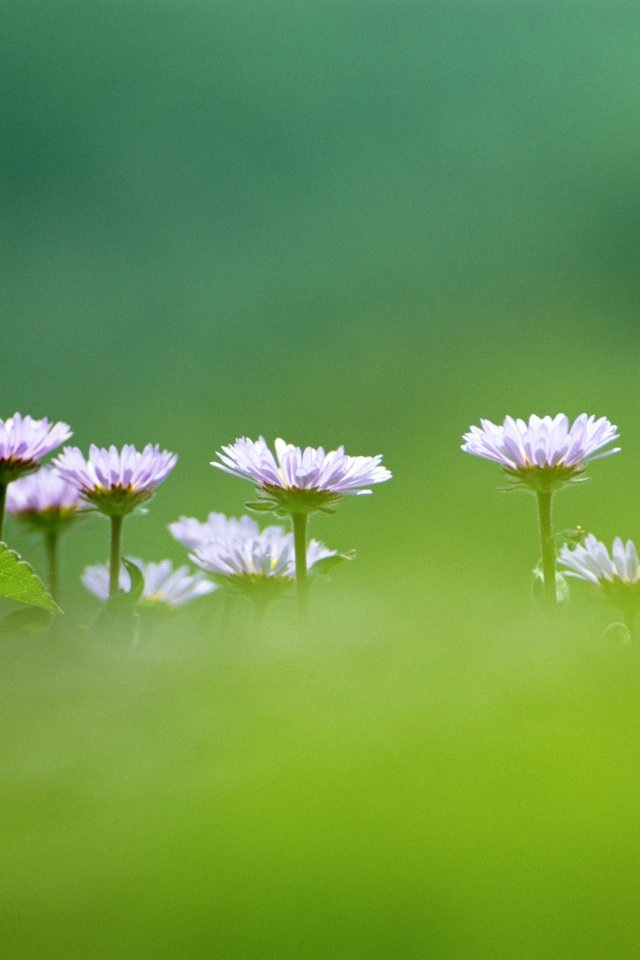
(299, 521)
(3, 497)
(547, 547)
(114, 562)
(51, 547)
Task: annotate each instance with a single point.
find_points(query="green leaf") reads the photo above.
(119, 617)
(26, 621)
(562, 587)
(617, 633)
(322, 567)
(137, 580)
(126, 599)
(19, 581)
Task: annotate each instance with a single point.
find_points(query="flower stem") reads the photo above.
(114, 562)
(547, 547)
(51, 547)
(299, 521)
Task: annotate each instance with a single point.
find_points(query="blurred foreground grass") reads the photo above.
(450, 778)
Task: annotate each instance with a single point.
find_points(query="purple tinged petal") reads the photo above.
(625, 558)
(25, 439)
(108, 469)
(591, 561)
(42, 492)
(308, 469)
(619, 558)
(162, 584)
(542, 441)
(191, 532)
(241, 552)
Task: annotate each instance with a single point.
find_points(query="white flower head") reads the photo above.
(24, 441)
(116, 481)
(162, 583)
(545, 452)
(42, 491)
(260, 564)
(616, 574)
(191, 532)
(592, 561)
(269, 553)
(44, 500)
(299, 480)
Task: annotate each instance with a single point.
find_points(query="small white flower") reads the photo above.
(239, 556)
(615, 574)
(162, 584)
(266, 554)
(591, 561)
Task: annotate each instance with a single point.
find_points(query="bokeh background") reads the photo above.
(337, 221)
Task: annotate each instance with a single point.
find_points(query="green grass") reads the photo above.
(446, 781)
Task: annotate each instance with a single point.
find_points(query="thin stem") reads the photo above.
(114, 562)
(51, 547)
(547, 547)
(299, 521)
(3, 497)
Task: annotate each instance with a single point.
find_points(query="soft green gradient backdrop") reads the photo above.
(368, 223)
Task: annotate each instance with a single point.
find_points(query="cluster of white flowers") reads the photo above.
(543, 455)
(230, 552)
(231, 548)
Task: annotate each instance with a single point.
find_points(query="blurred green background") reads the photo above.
(363, 222)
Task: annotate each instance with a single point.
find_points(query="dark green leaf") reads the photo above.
(19, 581)
(137, 580)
